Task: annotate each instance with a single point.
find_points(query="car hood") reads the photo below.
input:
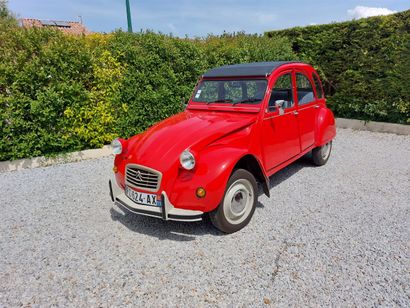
(161, 145)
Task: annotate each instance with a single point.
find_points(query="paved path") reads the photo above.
(334, 235)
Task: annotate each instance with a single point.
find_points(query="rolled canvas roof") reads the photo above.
(255, 69)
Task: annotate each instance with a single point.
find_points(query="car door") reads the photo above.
(280, 132)
(307, 108)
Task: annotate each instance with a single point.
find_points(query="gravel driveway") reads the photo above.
(334, 235)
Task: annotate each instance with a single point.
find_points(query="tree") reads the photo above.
(7, 19)
(4, 12)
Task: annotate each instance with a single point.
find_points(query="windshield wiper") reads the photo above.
(220, 101)
(249, 100)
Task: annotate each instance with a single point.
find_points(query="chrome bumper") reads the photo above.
(166, 212)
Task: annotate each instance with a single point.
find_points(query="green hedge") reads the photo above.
(62, 93)
(365, 64)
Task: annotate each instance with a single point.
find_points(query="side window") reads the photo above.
(282, 90)
(305, 89)
(318, 86)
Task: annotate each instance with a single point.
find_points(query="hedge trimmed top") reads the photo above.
(255, 69)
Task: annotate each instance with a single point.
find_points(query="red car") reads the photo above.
(242, 124)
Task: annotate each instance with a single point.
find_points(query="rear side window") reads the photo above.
(318, 86)
(282, 90)
(305, 89)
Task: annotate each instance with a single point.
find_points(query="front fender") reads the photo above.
(325, 126)
(213, 169)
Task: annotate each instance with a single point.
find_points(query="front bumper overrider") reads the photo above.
(166, 212)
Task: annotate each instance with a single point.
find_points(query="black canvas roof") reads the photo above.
(247, 69)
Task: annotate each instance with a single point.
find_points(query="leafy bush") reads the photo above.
(61, 93)
(42, 73)
(364, 63)
(92, 121)
(162, 70)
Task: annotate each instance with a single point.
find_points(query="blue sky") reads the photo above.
(198, 18)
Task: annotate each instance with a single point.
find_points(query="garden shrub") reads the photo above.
(61, 93)
(365, 65)
(92, 121)
(43, 72)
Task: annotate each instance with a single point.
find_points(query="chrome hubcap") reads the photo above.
(238, 201)
(326, 150)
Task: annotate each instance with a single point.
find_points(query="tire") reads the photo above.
(238, 203)
(320, 155)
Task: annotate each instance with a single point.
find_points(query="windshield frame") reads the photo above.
(227, 101)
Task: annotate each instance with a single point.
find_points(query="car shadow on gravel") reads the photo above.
(188, 231)
(287, 172)
(164, 230)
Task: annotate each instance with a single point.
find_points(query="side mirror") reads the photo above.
(279, 104)
(271, 108)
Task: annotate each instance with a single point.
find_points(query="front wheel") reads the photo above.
(320, 155)
(238, 204)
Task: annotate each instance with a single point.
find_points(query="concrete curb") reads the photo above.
(15, 165)
(29, 163)
(377, 127)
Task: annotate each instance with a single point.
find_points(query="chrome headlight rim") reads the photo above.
(187, 160)
(116, 145)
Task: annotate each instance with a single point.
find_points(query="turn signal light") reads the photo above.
(200, 192)
(115, 169)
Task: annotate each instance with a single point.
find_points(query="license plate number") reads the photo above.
(142, 198)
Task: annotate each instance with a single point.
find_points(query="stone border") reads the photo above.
(379, 127)
(29, 163)
(15, 165)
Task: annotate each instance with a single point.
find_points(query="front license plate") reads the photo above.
(142, 198)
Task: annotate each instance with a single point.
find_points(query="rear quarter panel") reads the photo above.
(325, 126)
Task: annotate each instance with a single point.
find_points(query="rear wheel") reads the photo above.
(320, 155)
(238, 204)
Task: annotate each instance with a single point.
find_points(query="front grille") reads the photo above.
(142, 177)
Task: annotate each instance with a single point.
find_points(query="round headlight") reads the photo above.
(116, 146)
(187, 160)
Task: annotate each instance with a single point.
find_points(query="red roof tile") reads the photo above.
(69, 27)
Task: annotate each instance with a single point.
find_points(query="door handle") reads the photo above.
(295, 113)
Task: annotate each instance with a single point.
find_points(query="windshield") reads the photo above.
(234, 92)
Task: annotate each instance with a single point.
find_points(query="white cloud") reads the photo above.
(365, 11)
